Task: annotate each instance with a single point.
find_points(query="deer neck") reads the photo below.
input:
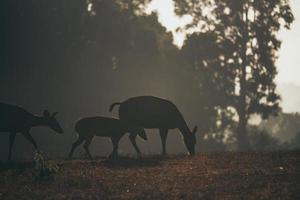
(39, 121)
(184, 129)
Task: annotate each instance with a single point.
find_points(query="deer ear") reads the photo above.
(54, 114)
(195, 130)
(46, 113)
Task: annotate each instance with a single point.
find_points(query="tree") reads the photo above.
(78, 56)
(202, 53)
(249, 30)
(284, 126)
(262, 140)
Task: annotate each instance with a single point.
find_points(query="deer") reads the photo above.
(113, 128)
(15, 119)
(155, 113)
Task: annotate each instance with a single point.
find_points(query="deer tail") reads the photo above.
(111, 107)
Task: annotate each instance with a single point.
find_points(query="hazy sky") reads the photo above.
(288, 77)
(289, 57)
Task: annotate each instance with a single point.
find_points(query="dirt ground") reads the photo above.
(266, 175)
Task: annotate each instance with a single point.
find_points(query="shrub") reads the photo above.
(44, 170)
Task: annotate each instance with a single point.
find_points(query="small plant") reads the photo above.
(44, 170)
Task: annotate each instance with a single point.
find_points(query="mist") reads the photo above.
(78, 58)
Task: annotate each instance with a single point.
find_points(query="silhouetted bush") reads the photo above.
(213, 142)
(44, 170)
(295, 142)
(261, 140)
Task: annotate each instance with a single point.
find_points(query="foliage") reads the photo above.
(295, 142)
(69, 54)
(44, 170)
(201, 52)
(239, 43)
(285, 126)
(261, 140)
(90, 32)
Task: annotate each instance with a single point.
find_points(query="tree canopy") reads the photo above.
(239, 39)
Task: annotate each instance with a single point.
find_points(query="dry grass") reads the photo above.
(206, 176)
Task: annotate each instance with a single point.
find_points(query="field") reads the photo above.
(205, 176)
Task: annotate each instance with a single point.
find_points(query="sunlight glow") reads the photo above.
(168, 18)
(287, 63)
(289, 59)
(89, 8)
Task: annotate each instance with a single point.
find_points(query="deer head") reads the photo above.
(51, 121)
(190, 141)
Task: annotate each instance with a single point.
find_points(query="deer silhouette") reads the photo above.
(89, 127)
(153, 112)
(14, 119)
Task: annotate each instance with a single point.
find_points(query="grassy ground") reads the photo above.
(205, 176)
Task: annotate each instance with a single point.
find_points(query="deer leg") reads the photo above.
(86, 147)
(115, 142)
(163, 135)
(30, 139)
(11, 143)
(75, 144)
(132, 138)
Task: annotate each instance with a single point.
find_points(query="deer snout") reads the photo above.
(58, 129)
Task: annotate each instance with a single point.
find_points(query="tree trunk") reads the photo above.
(242, 137)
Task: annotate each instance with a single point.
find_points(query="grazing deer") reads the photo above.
(89, 127)
(14, 119)
(153, 112)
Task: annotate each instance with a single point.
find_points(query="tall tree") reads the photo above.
(203, 53)
(249, 28)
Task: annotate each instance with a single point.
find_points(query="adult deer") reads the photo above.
(89, 127)
(153, 112)
(14, 119)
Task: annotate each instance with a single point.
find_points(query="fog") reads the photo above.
(79, 57)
